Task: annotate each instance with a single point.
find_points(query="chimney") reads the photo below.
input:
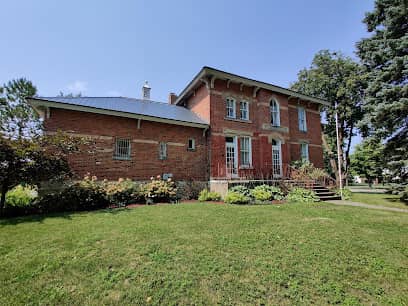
(172, 98)
(146, 91)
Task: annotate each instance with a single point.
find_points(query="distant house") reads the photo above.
(220, 127)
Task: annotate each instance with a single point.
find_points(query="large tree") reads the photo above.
(17, 118)
(385, 56)
(338, 80)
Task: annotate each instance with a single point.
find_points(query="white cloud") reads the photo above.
(78, 87)
(113, 93)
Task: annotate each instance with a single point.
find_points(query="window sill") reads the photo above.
(246, 167)
(121, 158)
(270, 127)
(237, 120)
(191, 150)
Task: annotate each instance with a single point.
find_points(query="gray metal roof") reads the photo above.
(128, 105)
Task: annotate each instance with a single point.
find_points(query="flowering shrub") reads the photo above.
(206, 195)
(302, 195)
(123, 192)
(158, 190)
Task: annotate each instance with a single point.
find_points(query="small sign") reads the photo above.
(166, 176)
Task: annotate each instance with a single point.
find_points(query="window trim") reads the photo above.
(246, 110)
(234, 108)
(193, 148)
(302, 127)
(117, 155)
(163, 154)
(242, 165)
(304, 145)
(274, 101)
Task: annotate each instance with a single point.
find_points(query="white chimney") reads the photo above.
(146, 91)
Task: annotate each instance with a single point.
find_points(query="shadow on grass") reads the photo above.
(63, 215)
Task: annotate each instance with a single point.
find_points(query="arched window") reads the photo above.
(275, 116)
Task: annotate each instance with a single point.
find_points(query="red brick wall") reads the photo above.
(144, 163)
(257, 126)
(199, 103)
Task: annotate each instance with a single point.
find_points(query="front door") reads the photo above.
(231, 157)
(276, 158)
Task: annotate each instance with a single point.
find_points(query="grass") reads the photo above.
(207, 254)
(383, 199)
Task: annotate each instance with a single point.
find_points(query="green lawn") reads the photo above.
(207, 254)
(383, 199)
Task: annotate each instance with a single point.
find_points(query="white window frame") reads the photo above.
(274, 109)
(244, 110)
(193, 144)
(247, 150)
(231, 108)
(304, 151)
(162, 150)
(302, 119)
(122, 149)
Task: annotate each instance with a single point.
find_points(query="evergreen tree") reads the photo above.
(385, 57)
(17, 117)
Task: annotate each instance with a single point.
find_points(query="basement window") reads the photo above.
(191, 144)
(162, 150)
(122, 149)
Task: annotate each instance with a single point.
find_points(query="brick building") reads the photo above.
(222, 126)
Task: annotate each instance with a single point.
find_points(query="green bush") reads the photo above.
(302, 195)
(345, 192)
(123, 192)
(158, 190)
(242, 190)
(206, 195)
(234, 197)
(267, 193)
(21, 196)
(404, 195)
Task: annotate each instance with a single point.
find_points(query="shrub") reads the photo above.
(234, 197)
(123, 191)
(345, 192)
(206, 195)
(188, 190)
(158, 190)
(304, 170)
(404, 195)
(302, 195)
(266, 193)
(21, 196)
(242, 190)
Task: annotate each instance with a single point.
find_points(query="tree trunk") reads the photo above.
(332, 157)
(3, 199)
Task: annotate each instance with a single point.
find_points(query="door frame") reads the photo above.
(279, 147)
(234, 145)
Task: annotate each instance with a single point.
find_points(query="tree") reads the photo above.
(17, 118)
(32, 161)
(338, 80)
(385, 58)
(368, 159)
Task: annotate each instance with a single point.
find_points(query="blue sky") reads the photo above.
(108, 48)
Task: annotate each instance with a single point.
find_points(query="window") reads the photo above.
(122, 149)
(162, 150)
(245, 151)
(230, 108)
(244, 110)
(191, 144)
(275, 116)
(304, 151)
(302, 119)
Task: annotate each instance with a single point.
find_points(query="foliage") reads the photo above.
(404, 195)
(123, 191)
(368, 159)
(242, 190)
(17, 117)
(345, 192)
(21, 195)
(302, 195)
(160, 190)
(206, 195)
(266, 193)
(30, 161)
(338, 80)
(234, 197)
(188, 190)
(304, 171)
(384, 55)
